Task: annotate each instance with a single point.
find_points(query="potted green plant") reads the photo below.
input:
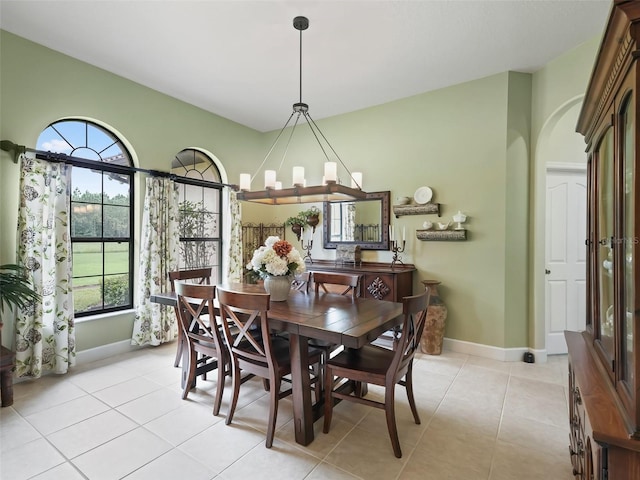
(15, 289)
(296, 223)
(311, 216)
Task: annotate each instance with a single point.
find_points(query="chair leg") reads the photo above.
(328, 399)
(176, 362)
(274, 394)
(222, 370)
(191, 374)
(235, 377)
(390, 411)
(408, 379)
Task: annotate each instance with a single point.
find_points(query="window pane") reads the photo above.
(88, 297)
(116, 258)
(98, 139)
(116, 290)
(87, 261)
(86, 185)
(198, 254)
(211, 200)
(73, 131)
(116, 189)
(116, 221)
(86, 220)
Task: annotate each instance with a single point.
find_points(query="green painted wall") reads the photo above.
(469, 142)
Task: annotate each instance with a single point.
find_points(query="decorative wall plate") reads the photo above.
(423, 195)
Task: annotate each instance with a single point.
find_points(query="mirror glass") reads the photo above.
(360, 222)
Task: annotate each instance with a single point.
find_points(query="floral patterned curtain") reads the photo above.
(45, 334)
(235, 240)
(155, 323)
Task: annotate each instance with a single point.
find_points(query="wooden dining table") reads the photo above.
(338, 319)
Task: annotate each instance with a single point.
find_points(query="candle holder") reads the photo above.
(307, 250)
(396, 251)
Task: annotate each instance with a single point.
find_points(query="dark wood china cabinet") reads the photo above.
(604, 362)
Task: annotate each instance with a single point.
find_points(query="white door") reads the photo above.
(565, 256)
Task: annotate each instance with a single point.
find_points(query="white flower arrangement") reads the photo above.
(276, 258)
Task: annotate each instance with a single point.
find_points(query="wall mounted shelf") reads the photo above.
(399, 210)
(441, 235)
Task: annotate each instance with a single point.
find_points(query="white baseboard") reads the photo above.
(105, 351)
(494, 353)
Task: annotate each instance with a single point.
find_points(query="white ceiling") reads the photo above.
(240, 59)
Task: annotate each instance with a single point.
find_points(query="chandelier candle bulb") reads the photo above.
(298, 176)
(269, 179)
(330, 172)
(356, 180)
(245, 182)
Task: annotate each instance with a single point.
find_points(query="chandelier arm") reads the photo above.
(330, 146)
(286, 148)
(312, 124)
(273, 145)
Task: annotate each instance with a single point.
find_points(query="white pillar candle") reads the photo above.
(298, 176)
(269, 179)
(356, 180)
(245, 181)
(330, 172)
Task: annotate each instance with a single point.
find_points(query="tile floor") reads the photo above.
(124, 418)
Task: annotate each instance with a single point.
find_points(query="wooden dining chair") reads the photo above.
(326, 282)
(203, 336)
(340, 280)
(380, 366)
(254, 350)
(199, 276)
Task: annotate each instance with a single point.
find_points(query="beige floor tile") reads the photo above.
(324, 471)
(322, 443)
(171, 466)
(122, 455)
(526, 432)
(64, 471)
(183, 423)
(448, 364)
(367, 456)
(542, 401)
(99, 378)
(280, 461)
(28, 395)
(221, 445)
(93, 432)
(151, 406)
(126, 391)
(14, 429)
(61, 416)
(512, 461)
(29, 459)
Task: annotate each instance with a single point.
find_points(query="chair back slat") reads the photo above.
(250, 340)
(196, 313)
(351, 281)
(200, 276)
(414, 311)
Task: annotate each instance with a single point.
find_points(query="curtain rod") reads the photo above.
(16, 150)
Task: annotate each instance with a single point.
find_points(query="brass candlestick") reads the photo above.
(396, 251)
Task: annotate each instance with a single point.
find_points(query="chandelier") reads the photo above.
(330, 190)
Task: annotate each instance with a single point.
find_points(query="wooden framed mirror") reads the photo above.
(358, 222)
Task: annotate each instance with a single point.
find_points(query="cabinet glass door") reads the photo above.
(605, 264)
(629, 243)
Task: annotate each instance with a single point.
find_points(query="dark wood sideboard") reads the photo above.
(379, 280)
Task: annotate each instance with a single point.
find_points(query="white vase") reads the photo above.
(278, 287)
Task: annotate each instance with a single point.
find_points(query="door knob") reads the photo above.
(547, 271)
